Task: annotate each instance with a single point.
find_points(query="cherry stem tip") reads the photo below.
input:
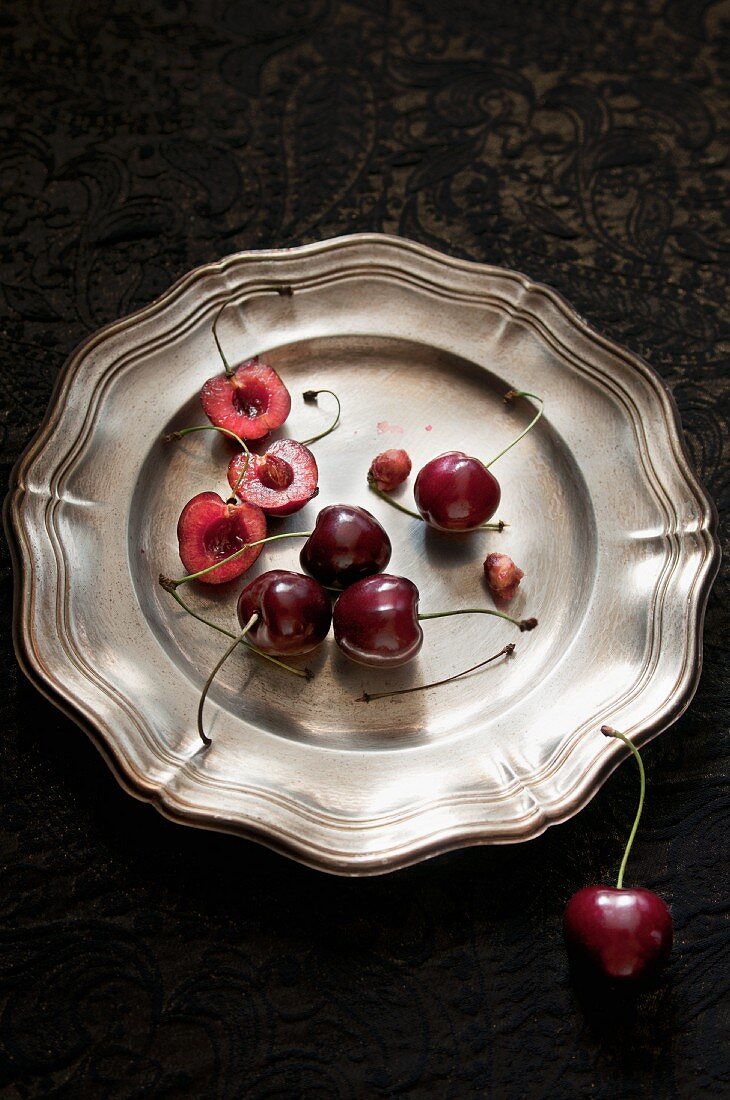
(609, 731)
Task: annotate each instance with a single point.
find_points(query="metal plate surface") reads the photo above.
(609, 523)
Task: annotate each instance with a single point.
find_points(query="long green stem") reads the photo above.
(609, 731)
(224, 431)
(169, 584)
(303, 672)
(508, 397)
(523, 624)
(367, 696)
(393, 503)
(310, 396)
(251, 622)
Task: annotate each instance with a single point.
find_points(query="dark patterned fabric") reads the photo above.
(581, 141)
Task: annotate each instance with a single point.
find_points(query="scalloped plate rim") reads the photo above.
(308, 853)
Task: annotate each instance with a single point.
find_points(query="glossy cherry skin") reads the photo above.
(455, 492)
(280, 482)
(347, 543)
(624, 935)
(210, 529)
(251, 403)
(376, 621)
(294, 612)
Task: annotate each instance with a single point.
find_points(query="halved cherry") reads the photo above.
(280, 482)
(251, 400)
(211, 529)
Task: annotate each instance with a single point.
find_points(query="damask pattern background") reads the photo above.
(584, 143)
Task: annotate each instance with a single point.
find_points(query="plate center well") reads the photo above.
(394, 393)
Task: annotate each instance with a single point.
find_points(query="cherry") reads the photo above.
(294, 612)
(621, 934)
(503, 576)
(347, 544)
(280, 482)
(211, 530)
(249, 400)
(625, 935)
(377, 621)
(457, 492)
(389, 469)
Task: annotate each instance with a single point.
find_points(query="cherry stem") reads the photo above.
(224, 431)
(609, 731)
(509, 396)
(367, 697)
(305, 673)
(393, 503)
(169, 584)
(523, 624)
(284, 291)
(227, 366)
(310, 396)
(251, 622)
(498, 526)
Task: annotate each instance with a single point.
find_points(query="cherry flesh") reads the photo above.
(211, 529)
(347, 544)
(389, 469)
(280, 482)
(623, 934)
(376, 621)
(251, 401)
(294, 612)
(503, 576)
(455, 492)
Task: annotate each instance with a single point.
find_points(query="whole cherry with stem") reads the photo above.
(457, 492)
(377, 622)
(172, 586)
(623, 934)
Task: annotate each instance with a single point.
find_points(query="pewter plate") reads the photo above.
(607, 519)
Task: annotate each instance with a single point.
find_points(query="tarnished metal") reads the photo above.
(606, 518)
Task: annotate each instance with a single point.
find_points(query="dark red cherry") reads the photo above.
(280, 482)
(210, 530)
(455, 492)
(251, 402)
(294, 612)
(347, 543)
(376, 621)
(622, 934)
